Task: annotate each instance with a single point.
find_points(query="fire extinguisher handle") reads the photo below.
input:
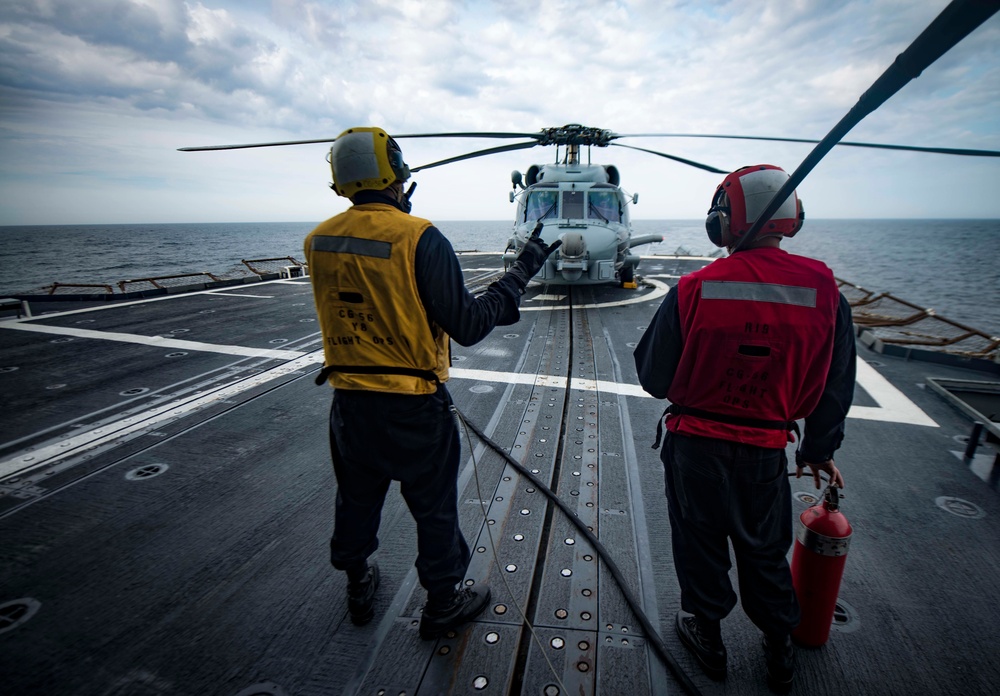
(832, 497)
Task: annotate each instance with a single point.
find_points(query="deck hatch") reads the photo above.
(845, 618)
(16, 612)
(146, 472)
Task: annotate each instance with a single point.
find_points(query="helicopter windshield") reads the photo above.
(541, 205)
(603, 205)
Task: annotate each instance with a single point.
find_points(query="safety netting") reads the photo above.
(896, 321)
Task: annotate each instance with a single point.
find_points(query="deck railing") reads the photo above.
(894, 320)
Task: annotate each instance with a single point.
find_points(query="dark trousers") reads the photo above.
(376, 438)
(719, 491)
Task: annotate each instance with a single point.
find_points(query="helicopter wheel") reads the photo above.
(627, 274)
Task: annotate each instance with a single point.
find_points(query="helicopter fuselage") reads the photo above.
(584, 206)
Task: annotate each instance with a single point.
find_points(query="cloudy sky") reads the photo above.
(96, 97)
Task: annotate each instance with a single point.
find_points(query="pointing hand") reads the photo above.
(532, 256)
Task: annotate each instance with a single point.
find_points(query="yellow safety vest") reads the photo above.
(362, 267)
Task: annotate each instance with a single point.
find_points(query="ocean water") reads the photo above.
(952, 266)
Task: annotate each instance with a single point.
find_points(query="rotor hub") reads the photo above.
(575, 134)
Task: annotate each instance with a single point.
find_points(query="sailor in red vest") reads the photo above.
(390, 295)
(742, 349)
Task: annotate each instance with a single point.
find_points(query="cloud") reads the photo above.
(104, 90)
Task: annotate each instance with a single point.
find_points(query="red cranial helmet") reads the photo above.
(742, 197)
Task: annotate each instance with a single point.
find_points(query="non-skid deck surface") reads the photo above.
(167, 497)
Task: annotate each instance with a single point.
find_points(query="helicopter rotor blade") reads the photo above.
(956, 21)
(244, 147)
(883, 146)
(471, 134)
(477, 153)
(488, 134)
(699, 165)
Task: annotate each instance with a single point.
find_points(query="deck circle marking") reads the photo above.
(177, 354)
(457, 358)
(262, 689)
(278, 340)
(660, 289)
(64, 339)
(481, 389)
(146, 472)
(85, 321)
(55, 386)
(179, 331)
(959, 507)
(805, 497)
(16, 612)
(134, 391)
(512, 335)
(845, 618)
(8, 369)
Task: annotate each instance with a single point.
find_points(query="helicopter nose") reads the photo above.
(572, 262)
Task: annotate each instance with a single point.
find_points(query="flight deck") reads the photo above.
(166, 501)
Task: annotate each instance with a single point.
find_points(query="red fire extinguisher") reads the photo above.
(821, 544)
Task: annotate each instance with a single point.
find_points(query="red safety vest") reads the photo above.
(757, 329)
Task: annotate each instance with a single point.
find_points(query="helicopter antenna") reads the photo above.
(956, 21)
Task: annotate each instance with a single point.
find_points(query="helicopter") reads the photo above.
(587, 206)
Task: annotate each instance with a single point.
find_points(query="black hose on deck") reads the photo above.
(652, 635)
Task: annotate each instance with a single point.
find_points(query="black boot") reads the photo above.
(444, 614)
(780, 657)
(361, 586)
(704, 640)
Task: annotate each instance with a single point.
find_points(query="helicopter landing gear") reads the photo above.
(627, 276)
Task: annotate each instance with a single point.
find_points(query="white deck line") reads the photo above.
(893, 406)
(156, 341)
(147, 420)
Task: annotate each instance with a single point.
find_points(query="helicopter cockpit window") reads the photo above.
(603, 205)
(541, 205)
(572, 205)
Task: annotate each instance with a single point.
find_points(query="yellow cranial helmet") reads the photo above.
(365, 158)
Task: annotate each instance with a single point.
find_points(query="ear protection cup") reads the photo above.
(717, 222)
(399, 167)
(800, 218)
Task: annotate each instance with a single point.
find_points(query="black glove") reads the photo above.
(532, 257)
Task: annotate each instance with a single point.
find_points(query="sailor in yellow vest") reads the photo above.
(390, 293)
